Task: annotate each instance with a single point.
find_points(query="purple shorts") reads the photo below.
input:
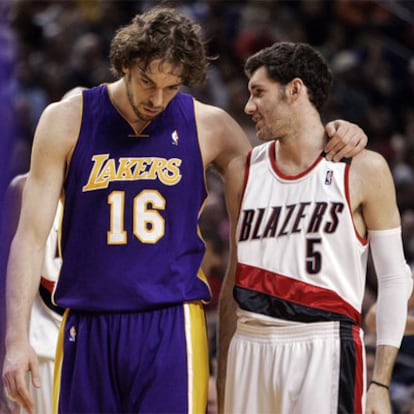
(144, 362)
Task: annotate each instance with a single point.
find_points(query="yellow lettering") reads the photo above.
(157, 167)
(105, 170)
(93, 183)
(125, 169)
(108, 172)
(171, 175)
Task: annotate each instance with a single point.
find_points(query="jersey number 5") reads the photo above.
(313, 257)
(148, 224)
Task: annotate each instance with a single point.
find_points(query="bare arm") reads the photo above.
(374, 203)
(225, 145)
(12, 203)
(226, 326)
(52, 145)
(227, 304)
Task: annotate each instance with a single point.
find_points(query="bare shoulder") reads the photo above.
(372, 189)
(370, 175)
(59, 124)
(369, 157)
(371, 164)
(68, 109)
(214, 118)
(222, 140)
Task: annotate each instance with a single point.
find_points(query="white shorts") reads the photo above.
(296, 368)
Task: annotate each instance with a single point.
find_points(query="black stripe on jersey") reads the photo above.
(268, 305)
(47, 299)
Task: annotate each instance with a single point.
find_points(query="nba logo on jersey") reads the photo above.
(174, 137)
(328, 177)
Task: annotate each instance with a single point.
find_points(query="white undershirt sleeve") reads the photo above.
(394, 284)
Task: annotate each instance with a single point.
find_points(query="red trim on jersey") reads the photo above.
(363, 241)
(292, 290)
(272, 154)
(48, 284)
(359, 369)
(246, 176)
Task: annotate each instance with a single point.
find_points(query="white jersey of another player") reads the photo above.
(300, 282)
(299, 255)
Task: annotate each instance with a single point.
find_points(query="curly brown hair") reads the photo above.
(160, 33)
(285, 61)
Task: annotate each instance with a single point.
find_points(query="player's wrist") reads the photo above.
(379, 384)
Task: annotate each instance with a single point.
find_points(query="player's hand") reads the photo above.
(18, 361)
(378, 400)
(345, 140)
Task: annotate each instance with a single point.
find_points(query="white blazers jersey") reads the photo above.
(300, 257)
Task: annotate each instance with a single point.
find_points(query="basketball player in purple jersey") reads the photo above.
(130, 158)
(298, 274)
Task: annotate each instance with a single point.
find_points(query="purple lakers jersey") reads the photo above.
(130, 238)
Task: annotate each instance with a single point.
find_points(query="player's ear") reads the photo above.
(295, 88)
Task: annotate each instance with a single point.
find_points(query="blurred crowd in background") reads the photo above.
(49, 47)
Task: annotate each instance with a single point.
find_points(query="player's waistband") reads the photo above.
(263, 330)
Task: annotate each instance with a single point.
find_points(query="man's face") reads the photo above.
(149, 91)
(268, 106)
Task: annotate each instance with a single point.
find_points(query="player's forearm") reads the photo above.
(226, 328)
(385, 356)
(21, 287)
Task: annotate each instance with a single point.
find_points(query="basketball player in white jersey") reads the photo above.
(298, 274)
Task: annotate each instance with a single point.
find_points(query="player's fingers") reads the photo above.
(330, 129)
(34, 369)
(337, 150)
(23, 396)
(348, 150)
(346, 139)
(339, 137)
(16, 390)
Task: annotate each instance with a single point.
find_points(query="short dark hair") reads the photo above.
(161, 33)
(285, 61)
